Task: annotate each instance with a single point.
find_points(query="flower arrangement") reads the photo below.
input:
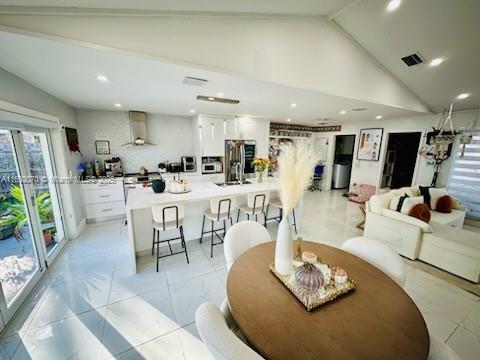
(260, 164)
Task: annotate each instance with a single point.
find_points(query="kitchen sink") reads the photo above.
(230, 183)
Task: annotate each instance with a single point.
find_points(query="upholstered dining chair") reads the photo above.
(219, 339)
(440, 350)
(241, 237)
(379, 255)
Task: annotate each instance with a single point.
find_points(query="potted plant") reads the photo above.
(260, 164)
(15, 213)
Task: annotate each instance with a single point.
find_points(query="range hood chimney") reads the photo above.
(138, 128)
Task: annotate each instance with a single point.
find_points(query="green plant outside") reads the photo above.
(15, 210)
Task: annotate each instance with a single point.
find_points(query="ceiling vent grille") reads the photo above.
(190, 80)
(412, 60)
(217, 99)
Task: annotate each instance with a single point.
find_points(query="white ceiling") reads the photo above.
(69, 72)
(435, 28)
(296, 7)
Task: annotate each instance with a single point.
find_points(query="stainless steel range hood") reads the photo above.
(138, 129)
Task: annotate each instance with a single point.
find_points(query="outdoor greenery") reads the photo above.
(15, 210)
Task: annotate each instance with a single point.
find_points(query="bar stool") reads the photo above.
(277, 203)
(257, 203)
(220, 210)
(168, 217)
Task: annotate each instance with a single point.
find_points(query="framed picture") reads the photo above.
(102, 147)
(369, 144)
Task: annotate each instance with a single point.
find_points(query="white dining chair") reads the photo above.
(241, 237)
(379, 255)
(440, 350)
(219, 339)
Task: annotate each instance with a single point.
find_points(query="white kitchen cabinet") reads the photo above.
(258, 130)
(212, 136)
(103, 201)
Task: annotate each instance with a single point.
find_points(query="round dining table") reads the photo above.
(377, 320)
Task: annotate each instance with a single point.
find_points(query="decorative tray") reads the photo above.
(180, 192)
(312, 299)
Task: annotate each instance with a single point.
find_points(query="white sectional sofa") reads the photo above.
(442, 242)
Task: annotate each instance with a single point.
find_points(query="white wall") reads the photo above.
(302, 52)
(172, 136)
(19, 92)
(369, 172)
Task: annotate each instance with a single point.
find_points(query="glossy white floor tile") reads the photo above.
(89, 306)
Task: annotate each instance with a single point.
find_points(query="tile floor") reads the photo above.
(88, 306)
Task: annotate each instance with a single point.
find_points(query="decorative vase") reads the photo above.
(284, 248)
(260, 177)
(158, 186)
(309, 278)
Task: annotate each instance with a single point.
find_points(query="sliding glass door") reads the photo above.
(31, 224)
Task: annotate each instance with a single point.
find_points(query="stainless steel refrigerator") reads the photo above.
(239, 155)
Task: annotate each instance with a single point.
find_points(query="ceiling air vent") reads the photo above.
(190, 80)
(217, 99)
(359, 109)
(413, 59)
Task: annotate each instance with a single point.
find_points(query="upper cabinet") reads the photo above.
(212, 132)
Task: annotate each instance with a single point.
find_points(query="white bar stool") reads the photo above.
(257, 203)
(277, 203)
(220, 210)
(168, 217)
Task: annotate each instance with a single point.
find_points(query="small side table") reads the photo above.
(361, 224)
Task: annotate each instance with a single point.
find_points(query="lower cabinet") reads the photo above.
(103, 202)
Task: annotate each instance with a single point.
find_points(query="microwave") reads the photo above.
(212, 167)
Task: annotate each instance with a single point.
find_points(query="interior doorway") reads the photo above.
(342, 161)
(400, 160)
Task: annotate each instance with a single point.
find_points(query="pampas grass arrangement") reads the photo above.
(296, 164)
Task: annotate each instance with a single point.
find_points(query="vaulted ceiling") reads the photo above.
(434, 28)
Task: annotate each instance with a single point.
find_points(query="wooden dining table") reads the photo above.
(377, 320)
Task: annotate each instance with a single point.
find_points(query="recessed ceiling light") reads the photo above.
(393, 5)
(436, 62)
(102, 78)
(117, 105)
(220, 94)
(343, 112)
(293, 105)
(378, 117)
(192, 111)
(463, 96)
(288, 120)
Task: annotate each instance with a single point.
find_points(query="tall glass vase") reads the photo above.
(284, 247)
(260, 177)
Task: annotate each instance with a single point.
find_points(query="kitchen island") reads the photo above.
(140, 201)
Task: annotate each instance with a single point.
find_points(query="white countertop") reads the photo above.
(145, 197)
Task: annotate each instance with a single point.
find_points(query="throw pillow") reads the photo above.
(421, 212)
(436, 194)
(424, 191)
(395, 201)
(410, 203)
(445, 204)
(400, 202)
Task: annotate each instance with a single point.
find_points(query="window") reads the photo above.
(464, 177)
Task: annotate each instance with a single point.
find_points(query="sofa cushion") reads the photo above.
(450, 237)
(407, 219)
(397, 202)
(379, 202)
(421, 212)
(436, 194)
(409, 203)
(444, 204)
(455, 218)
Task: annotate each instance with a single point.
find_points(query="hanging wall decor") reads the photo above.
(102, 147)
(369, 144)
(72, 139)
